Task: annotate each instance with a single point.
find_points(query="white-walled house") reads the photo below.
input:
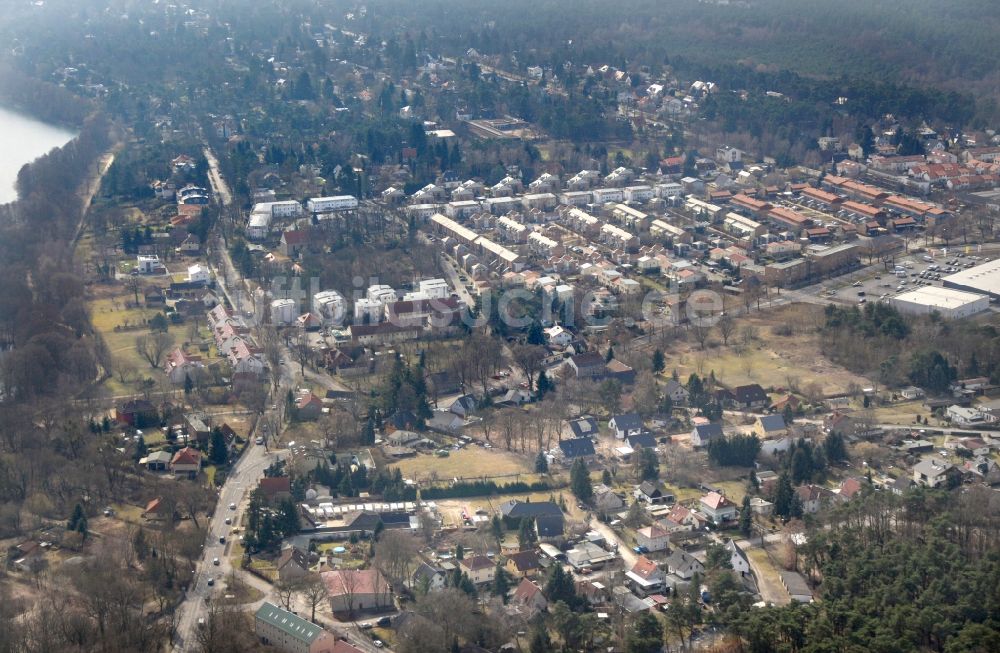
(557, 336)
(653, 538)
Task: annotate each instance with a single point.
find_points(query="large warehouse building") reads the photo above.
(949, 303)
(983, 278)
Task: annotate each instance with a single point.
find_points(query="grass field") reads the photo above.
(770, 360)
(468, 463)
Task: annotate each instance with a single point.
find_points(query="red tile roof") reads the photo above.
(186, 456)
(644, 567)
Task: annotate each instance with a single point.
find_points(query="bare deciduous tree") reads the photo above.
(153, 347)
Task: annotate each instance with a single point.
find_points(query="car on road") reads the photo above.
(215, 561)
(229, 521)
(232, 506)
(211, 582)
(384, 622)
(259, 440)
(222, 539)
(856, 284)
(378, 643)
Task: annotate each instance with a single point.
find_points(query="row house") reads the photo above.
(618, 237)
(540, 201)
(639, 194)
(663, 229)
(607, 195)
(750, 205)
(824, 198)
(895, 164)
(544, 245)
(788, 219)
(864, 212)
(631, 218)
(575, 198)
(511, 230)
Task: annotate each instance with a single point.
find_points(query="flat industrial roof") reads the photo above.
(984, 277)
(947, 298)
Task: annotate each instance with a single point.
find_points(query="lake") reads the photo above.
(22, 140)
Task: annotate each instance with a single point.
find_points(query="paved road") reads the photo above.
(451, 272)
(219, 184)
(242, 478)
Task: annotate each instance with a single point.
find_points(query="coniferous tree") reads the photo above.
(659, 361)
(579, 479)
(746, 517)
(541, 463)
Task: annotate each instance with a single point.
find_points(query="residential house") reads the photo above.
(645, 576)
(653, 493)
(678, 394)
(275, 488)
(750, 397)
(652, 538)
(156, 510)
(963, 416)
(354, 590)
(737, 558)
(137, 412)
(584, 427)
(718, 508)
(529, 597)
(684, 565)
(588, 365)
(549, 526)
(932, 472)
(619, 371)
(308, 407)
(789, 401)
(606, 500)
(812, 498)
(157, 461)
(681, 518)
(985, 469)
(570, 450)
(429, 576)
(851, 487)
(558, 337)
(641, 441)
(181, 366)
(464, 406)
(761, 507)
(625, 425)
(514, 509)
(480, 569)
(522, 563)
(186, 461)
(703, 434)
(588, 554)
(290, 633)
(294, 241)
(291, 564)
(770, 426)
(901, 485)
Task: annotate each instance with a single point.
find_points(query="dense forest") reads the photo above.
(913, 573)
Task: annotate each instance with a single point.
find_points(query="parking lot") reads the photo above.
(912, 271)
